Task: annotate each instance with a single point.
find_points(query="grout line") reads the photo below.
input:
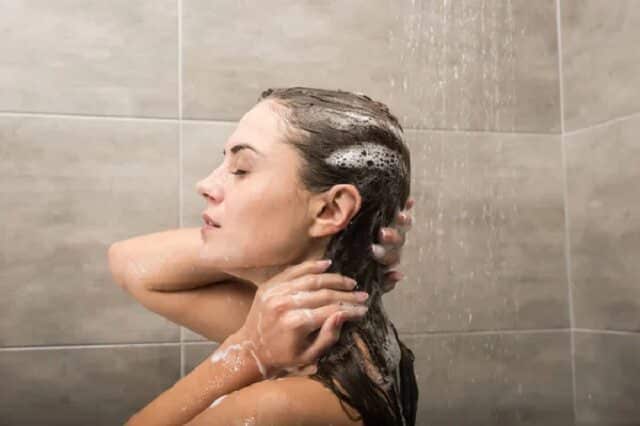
(620, 332)
(83, 116)
(603, 124)
(90, 346)
(531, 331)
(482, 332)
(202, 342)
(19, 114)
(179, 119)
(401, 333)
(567, 224)
(180, 156)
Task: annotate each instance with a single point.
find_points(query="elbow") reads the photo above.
(118, 262)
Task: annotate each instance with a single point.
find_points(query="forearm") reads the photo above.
(165, 261)
(195, 392)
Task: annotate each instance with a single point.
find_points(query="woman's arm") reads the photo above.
(163, 261)
(218, 307)
(195, 392)
(274, 337)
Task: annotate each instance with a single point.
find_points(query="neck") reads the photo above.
(261, 274)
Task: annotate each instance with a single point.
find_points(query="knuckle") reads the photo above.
(313, 280)
(292, 321)
(277, 304)
(324, 294)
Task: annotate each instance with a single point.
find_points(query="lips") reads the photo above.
(210, 221)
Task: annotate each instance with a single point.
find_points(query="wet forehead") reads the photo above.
(262, 128)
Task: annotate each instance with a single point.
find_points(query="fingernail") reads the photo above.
(354, 283)
(378, 250)
(362, 296)
(362, 309)
(338, 320)
(324, 262)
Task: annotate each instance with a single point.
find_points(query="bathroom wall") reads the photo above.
(521, 299)
(601, 123)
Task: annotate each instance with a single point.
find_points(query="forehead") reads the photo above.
(261, 127)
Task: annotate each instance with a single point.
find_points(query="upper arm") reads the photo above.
(215, 311)
(284, 402)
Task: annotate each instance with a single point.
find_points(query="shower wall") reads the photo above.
(522, 297)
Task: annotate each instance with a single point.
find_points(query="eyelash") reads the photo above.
(239, 172)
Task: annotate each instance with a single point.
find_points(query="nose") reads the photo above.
(209, 188)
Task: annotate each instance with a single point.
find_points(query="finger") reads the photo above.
(391, 267)
(388, 286)
(314, 318)
(325, 296)
(410, 202)
(391, 279)
(405, 223)
(328, 336)
(304, 268)
(386, 255)
(391, 237)
(312, 282)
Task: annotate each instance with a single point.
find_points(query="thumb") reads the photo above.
(328, 336)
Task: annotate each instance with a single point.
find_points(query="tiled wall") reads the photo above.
(601, 115)
(522, 298)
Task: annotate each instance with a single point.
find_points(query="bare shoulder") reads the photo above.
(286, 401)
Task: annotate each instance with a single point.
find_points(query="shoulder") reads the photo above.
(285, 401)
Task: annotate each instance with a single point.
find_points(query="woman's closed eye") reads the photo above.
(239, 172)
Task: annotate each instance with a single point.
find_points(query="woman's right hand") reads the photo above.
(290, 307)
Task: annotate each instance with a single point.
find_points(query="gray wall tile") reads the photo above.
(69, 188)
(196, 353)
(604, 209)
(607, 371)
(83, 386)
(601, 66)
(493, 379)
(90, 57)
(460, 64)
(487, 247)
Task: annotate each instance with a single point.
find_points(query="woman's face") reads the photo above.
(256, 198)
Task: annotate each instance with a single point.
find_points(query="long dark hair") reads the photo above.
(320, 122)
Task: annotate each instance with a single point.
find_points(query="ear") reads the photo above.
(333, 210)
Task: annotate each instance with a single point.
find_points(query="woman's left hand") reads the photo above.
(392, 240)
(289, 308)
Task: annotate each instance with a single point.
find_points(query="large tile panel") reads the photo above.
(603, 200)
(465, 64)
(94, 57)
(607, 371)
(68, 189)
(601, 66)
(486, 250)
(498, 379)
(83, 386)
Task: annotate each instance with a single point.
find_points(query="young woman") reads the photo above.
(308, 174)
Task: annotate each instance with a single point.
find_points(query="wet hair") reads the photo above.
(348, 138)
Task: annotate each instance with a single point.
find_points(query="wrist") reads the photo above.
(238, 353)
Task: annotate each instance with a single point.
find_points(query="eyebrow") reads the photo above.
(242, 146)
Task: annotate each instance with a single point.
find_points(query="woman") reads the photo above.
(338, 164)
